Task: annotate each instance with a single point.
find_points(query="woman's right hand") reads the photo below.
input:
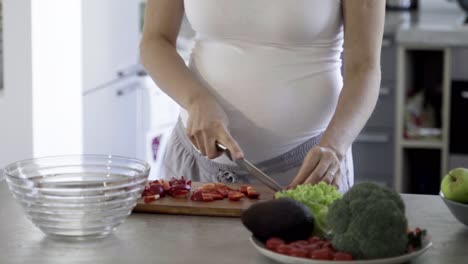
(207, 124)
(207, 121)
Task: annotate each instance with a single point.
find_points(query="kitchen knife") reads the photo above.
(254, 171)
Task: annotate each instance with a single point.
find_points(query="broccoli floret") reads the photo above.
(369, 222)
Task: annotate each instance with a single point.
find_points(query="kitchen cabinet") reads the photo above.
(373, 149)
(384, 112)
(373, 153)
(388, 59)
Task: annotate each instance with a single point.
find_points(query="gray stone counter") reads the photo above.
(434, 28)
(152, 238)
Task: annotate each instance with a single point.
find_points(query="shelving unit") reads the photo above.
(422, 144)
(420, 163)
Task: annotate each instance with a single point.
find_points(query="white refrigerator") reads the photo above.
(124, 112)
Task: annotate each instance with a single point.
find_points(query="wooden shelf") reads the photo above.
(407, 77)
(423, 144)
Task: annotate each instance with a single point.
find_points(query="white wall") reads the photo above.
(55, 49)
(16, 134)
(40, 107)
(57, 77)
(110, 39)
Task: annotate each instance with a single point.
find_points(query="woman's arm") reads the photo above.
(159, 54)
(363, 27)
(363, 32)
(207, 121)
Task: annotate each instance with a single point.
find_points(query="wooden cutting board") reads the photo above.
(225, 207)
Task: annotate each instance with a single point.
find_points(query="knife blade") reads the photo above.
(254, 171)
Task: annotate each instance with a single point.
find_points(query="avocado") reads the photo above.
(284, 218)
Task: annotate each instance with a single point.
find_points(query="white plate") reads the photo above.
(294, 260)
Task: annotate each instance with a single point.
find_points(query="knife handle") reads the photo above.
(223, 148)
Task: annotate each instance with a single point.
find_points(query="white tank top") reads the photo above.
(274, 65)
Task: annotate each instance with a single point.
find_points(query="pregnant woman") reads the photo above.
(264, 79)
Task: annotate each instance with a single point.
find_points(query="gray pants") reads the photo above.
(182, 159)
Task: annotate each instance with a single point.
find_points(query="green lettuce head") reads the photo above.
(318, 198)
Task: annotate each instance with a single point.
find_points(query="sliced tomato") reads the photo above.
(320, 243)
(206, 197)
(180, 193)
(166, 185)
(252, 193)
(208, 187)
(295, 245)
(215, 195)
(322, 254)
(175, 181)
(311, 247)
(298, 252)
(284, 249)
(197, 195)
(179, 187)
(274, 243)
(342, 256)
(151, 198)
(243, 189)
(302, 242)
(146, 192)
(219, 185)
(314, 239)
(179, 190)
(235, 196)
(223, 192)
(157, 189)
(327, 244)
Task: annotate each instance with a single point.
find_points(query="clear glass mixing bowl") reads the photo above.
(77, 197)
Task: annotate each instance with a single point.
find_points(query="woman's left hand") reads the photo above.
(320, 164)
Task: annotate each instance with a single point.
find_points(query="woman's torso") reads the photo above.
(274, 65)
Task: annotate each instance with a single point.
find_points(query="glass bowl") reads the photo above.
(77, 197)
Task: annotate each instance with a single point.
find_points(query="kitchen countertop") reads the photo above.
(428, 28)
(152, 238)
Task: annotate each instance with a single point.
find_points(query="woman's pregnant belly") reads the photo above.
(275, 97)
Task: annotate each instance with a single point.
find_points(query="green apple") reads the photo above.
(455, 185)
